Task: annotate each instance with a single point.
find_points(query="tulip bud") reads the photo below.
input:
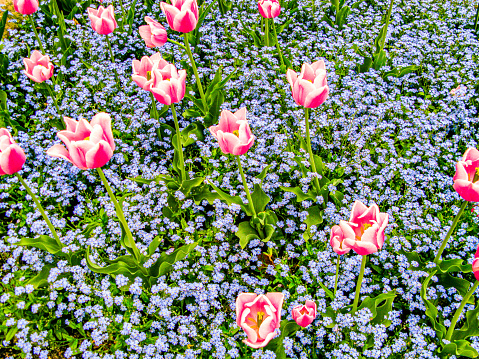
(25, 7)
(103, 20)
(38, 67)
(310, 89)
(12, 156)
(466, 178)
(154, 33)
(269, 8)
(304, 315)
(182, 15)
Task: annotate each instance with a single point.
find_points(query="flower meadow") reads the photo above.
(251, 179)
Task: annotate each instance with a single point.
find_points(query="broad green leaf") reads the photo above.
(3, 23)
(470, 328)
(260, 199)
(431, 311)
(300, 195)
(263, 173)
(40, 280)
(205, 194)
(315, 217)
(380, 306)
(230, 199)
(165, 262)
(246, 233)
(287, 328)
(459, 348)
(43, 242)
(188, 185)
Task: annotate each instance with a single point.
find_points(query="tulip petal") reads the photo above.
(99, 155)
(12, 159)
(241, 300)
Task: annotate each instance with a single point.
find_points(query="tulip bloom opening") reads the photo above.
(12, 156)
(25, 7)
(233, 133)
(103, 20)
(142, 69)
(466, 177)
(269, 8)
(167, 84)
(154, 33)
(38, 67)
(259, 316)
(305, 314)
(310, 89)
(88, 145)
(182, 15)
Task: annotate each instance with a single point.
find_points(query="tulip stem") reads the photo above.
(36, 34)
(310, 150)
(476, 18)
(195, 70)
(266, 32)
(358, 284)
(120, 215)
(112, 58)
(153, 107)
(459, 311)
(52, 94)
(449, 233)
(277, 44)
(245, 185)
(178, 144)
(337, 275)
(40, 208)
(177, 43)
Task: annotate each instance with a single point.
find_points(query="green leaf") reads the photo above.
(188, 185)
(246, 233)
(454, 265)
(11, 333)
(380, 39)
(318, 162)
(379, 60)
(165, 262)
(288, 328)
(401, 72)
(215, 81)
(380, 312)
(121, 265)
(367, 62)
(260, 199)
(40, 280)
(3, 23)
(343, 16)
(205, 194)
(300, 195)
(431, 310)
(263, 173)
(460, 348)
(217, 100)
(470, 328)
(315, 217)
(230, 199)
(43, 242)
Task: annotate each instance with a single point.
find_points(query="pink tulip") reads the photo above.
(154, 33)
(464, 182)
(182, 15)
(336, 241)
(233, 133)
(269, 8)
(12, 156)
(142, 70)
(25, 7)
(310, 89)
(88, 145)
(475, 264)
(259, 316)
(103, 20)
(364, 233)
(167, 84)
(38, 67)
(304, 315)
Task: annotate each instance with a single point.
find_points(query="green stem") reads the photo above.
(459, 311)
(36, 34)
(310, 150)
(337, 274)
(54, 98)
(195, 70)
(358, 284)
(120, 215)
(40, 208)
(179, 145)
(112, 58)
(124, 17)
(266, 32)
(388, 17)
(245, 185)
(153, 106)
(277, 45)
(476, 18)
(177, 43)
(449, 233)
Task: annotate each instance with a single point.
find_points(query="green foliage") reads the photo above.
(287, 328)
(340, 12)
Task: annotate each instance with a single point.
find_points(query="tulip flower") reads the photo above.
(103, 20)
(12, 156)
(167, 84)
(154, 33)
(304, 315)
(182, 15)
(25, 7)
(310, 89)
(88, 144)
(269, 8)
(38, 67)
(259, 316)
(233, 133)
(142, 70)
(336, 241)
(465, 179)
(364, 233)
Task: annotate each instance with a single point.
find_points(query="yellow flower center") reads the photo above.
(255, 324)
(148, 75)
(87, 138)
(236, 133)
(363, 228)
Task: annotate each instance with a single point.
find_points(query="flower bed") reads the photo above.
(215, 179)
